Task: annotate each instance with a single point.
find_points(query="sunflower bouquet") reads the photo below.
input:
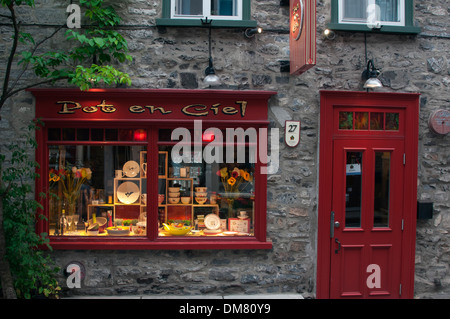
(231, 181)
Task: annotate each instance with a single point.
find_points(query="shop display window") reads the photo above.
(98, 184)
(123, 177)
(97, 190)
(205, 191)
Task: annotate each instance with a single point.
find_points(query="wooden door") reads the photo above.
(367, 212)
(367, 194)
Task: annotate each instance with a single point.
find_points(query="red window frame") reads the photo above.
(50, 109)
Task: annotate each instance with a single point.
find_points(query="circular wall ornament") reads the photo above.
(297, 17)
(439, 121)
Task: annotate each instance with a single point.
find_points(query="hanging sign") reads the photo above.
(302, 35)
(292, 133)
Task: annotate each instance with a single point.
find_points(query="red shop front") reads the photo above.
(153, 169)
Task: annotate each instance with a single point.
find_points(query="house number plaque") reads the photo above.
(292, 133)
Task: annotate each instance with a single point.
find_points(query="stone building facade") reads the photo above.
(176, 57)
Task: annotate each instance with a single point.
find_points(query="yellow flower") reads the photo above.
(223, 172)
(232, 181)
(246, 176)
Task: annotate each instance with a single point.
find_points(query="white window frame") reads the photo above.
(206, 9)
(400, 23)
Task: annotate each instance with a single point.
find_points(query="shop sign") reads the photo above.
(151, 104)
(70, 107)
(302, 35)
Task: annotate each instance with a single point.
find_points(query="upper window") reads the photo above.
(222, 13)
(374, 13)
(395, 16)
(212, 9)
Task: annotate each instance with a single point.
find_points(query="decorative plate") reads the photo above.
(212, 221)
(128, 192)
(211, 231)
(118, 231)
(131, 169)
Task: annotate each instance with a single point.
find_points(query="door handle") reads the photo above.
(339, 245)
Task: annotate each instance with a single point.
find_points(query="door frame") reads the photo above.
(409, 102)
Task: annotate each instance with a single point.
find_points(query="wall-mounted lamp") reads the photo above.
(370, 74)
(249, 33)
(211, 79)
(329, 34)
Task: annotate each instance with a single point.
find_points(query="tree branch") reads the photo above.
(11, 93)
(32, 54)
(11, 55)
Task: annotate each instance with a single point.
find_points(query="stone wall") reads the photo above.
(177, 58)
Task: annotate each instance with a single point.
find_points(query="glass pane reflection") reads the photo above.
(381, 196)
(353, 187)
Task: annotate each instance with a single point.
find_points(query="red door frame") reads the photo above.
(409, 102)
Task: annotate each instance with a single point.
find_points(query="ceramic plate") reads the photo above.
(211, 231)
(131, 169)
(117, 231)
(128, 192)
(212, 221)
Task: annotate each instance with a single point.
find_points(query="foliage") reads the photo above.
(31, 268)
(85, 60)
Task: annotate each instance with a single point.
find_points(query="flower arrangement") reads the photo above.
(231, 181)
(71, 180)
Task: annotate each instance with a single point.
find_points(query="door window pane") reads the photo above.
(381, 196)
(345, 120)
(392, 122)
(376, 121)
(361, 120)
(353, 185)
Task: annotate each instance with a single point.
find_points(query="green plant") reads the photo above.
(84, 59)
(30, 267)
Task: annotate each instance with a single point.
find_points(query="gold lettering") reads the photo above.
(68, 110)
(197, 108)
(229, 110)
(107, 108)
(90, 109)
(159, 108)
(215, 108)
(243, 106)
(136, 109)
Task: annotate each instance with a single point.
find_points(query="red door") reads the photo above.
(367, 195)
(367, 212)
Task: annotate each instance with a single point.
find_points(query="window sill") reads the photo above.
(164, 22)
(364, 28)
(159, 244)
